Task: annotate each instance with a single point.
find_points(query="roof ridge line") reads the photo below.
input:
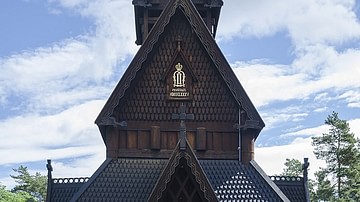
(269, 181)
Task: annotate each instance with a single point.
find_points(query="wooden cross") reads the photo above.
(182, 116)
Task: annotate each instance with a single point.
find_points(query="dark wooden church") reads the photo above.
(178, 126)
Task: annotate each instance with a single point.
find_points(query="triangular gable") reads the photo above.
(183, 178)
(209, 44)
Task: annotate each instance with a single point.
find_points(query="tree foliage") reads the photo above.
(340, 150)
(6, 196)
(293, 167)
(35, 185)
(324, 191)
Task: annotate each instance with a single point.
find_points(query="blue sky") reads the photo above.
(60, 60)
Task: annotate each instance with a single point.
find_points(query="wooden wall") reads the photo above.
(157, 143)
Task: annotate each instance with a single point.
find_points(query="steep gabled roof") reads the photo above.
(187, 8)
(167, 179)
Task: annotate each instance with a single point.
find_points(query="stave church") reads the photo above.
(178, 126)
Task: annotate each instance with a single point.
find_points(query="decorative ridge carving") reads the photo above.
(70, 180)
(286, 178)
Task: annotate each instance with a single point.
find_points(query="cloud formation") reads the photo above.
(307, 22)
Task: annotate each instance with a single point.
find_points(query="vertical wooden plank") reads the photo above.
(201, 138)
(209, 141)
(163, 141)
(217, 142)
(155, 137)
(132, 139)
(234, 143)
(143, 140)
(112, 142)
(172, 140)
(191, 139)
(122, 139)
(226, 141)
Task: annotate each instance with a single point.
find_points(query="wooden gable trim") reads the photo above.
(209, 44)
(196, 171)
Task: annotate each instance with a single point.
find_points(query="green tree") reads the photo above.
(339, 149)
(6, 196)
(324, 191)
(35, 185)
(353, 189)
(293, 167)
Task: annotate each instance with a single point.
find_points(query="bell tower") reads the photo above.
(147, 13)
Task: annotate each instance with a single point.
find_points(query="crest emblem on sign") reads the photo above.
(179, 76)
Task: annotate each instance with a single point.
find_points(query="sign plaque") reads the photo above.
(179, 87)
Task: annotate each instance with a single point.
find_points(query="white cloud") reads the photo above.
(306, 21)
(320, 69)
(74, 70)
(71, 133)
(272, 159)
(274, 117)
(279, 82)
(80, 167)
(354, 125)
(352, 97)
(308, 132)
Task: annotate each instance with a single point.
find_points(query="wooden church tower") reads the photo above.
(178, 126)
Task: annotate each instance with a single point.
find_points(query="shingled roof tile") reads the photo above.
(292, 186)
(133, 179)
(64, 188)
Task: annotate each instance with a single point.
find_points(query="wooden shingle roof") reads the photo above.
(132, 179)
(292, 186)
(187, 9)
